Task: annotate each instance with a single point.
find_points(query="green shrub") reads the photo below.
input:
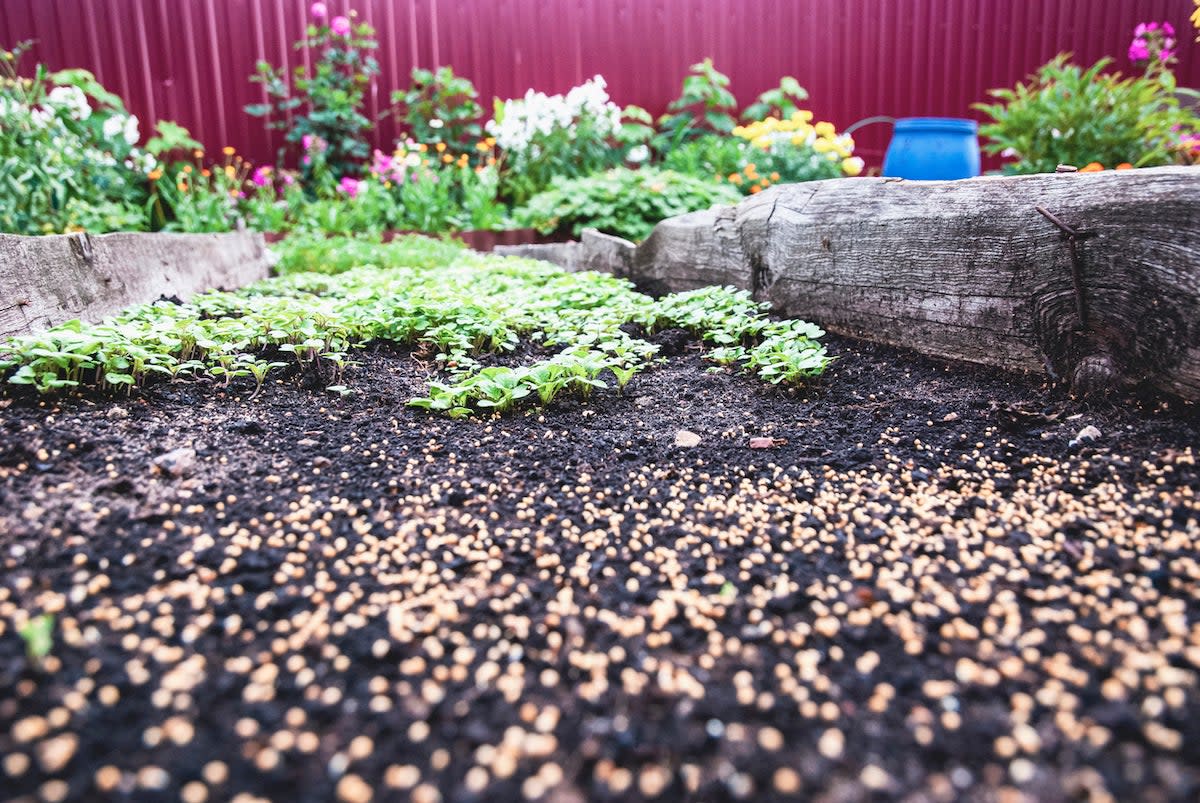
(1067, 115)
(627, 203)
(441, 107)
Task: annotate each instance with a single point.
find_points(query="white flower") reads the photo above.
(113, 126)
(40, 117)
(131, 130)
(72, 100)
(436, 123)
(1054, 132)
(639, 154)
(538, 115)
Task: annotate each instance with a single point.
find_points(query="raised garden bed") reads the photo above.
(483, 240)
(933, 583)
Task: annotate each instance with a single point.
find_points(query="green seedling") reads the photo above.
(38, 635)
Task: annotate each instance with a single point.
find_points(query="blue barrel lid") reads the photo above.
(957, 125)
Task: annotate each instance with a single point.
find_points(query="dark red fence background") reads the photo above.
(189, 60)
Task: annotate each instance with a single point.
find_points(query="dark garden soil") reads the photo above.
(923, 590)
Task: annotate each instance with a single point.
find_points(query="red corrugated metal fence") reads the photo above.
(190, 60)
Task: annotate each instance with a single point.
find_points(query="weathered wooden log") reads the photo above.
(47, 280)
(1093, 277)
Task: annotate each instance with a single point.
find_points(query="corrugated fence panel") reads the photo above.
(190, 60)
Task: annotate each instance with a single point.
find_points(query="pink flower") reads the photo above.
(1165, 55)
(319, 11)
(262, 176)
(340, 26)
(306, 160)
(1168, 29)
(306, 142)
(1140, 30)
(1138, 51)
(350, 186)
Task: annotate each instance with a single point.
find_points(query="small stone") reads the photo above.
(117, 413)
(176, 462)
(686, 438)
(29, 729)
(763, 443)
(1086, 435)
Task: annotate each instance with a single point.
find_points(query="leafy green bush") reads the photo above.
(709, 156)
(1065, 114)
(69, 159)
(705, 105)
(627, 203)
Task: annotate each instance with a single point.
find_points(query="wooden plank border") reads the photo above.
(45, 281)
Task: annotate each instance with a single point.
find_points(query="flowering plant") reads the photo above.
(190, 196)
(794, 149)
(1153, 47)
(545, 136)
(69, 145)
(326, 102)
(1065, 114)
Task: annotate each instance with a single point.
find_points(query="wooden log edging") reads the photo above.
(1091, 277)
(45, 281)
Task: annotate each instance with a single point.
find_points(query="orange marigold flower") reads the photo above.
(1124, 166)
(755, 190)
(482, 146)
(440, 147)
(155, 175)
(491, 142)
(187, 168)
(198, 153)
(491, 161)
(422, 147)
(735, 178)
(1091, 167)
(228, 150)
(774, 177)
(206, 172)
(182, 186)
(447, 158)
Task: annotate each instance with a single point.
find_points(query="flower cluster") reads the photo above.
(1154, 44)
(521, 122)
(797, 134)
(73, 101)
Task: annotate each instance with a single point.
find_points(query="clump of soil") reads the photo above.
(934, 583)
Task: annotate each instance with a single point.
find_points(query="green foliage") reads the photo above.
(38, 635)
(317, 253)
(323, 105)
(456, 307)
(68, 155)
(171, 138)
(708, 156)
(1067, 115)
(441, 107)
(705, 104)
(624, 202)
(780, 102)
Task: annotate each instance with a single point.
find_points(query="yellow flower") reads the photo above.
(822, 145)
(228, 150)
(763, 141)
(825, 129)
(447, 158)
(852, 166)
(155, 175)
(491, 142)
(187, 168)
(798, 140)
(230, 172)
(440, 147)
(802, 115)
(482, 147)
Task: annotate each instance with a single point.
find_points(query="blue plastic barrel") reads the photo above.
(933, 148)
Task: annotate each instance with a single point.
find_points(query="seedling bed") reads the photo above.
(930, 586)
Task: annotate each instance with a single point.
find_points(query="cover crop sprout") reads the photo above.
(461, 310)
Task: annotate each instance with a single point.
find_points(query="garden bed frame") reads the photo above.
(1094, 278)
(45, 281)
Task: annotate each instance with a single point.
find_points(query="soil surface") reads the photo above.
(930, 586)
